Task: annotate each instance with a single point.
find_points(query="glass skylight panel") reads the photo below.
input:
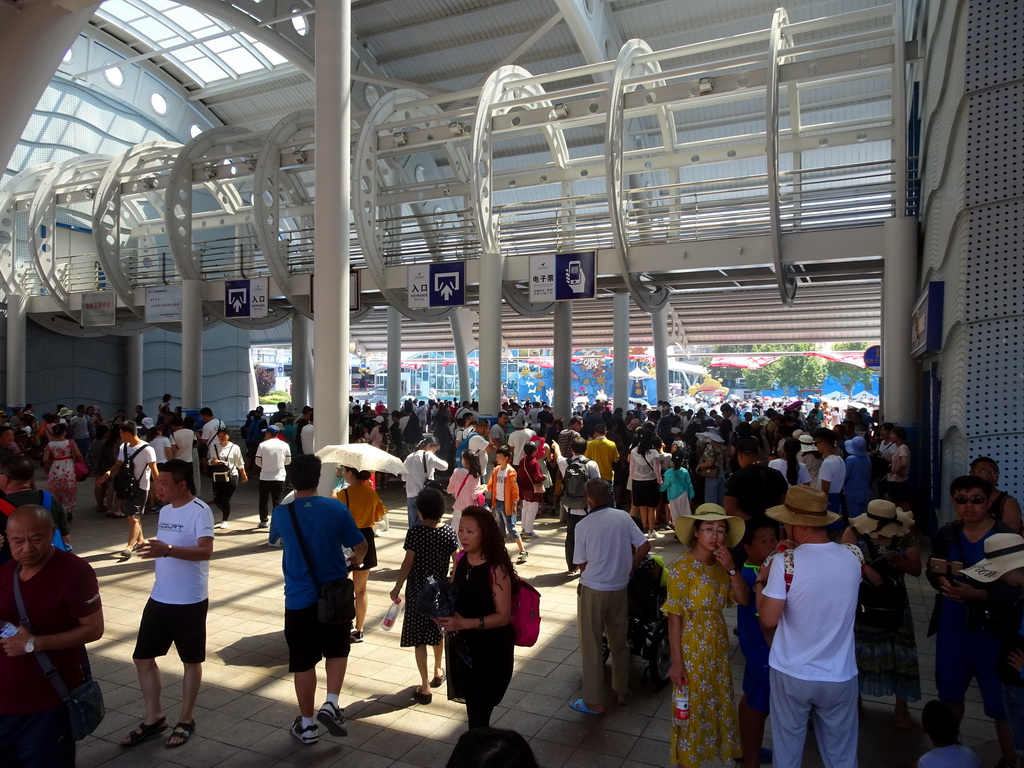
(241, 61)
(268, 53)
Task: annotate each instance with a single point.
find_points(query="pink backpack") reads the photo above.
(525, 618)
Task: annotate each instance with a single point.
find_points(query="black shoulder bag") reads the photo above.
(85, 703)
(336, 603)
(429, 482)
(880, 606)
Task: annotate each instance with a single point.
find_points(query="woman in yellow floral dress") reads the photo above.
(701, 583)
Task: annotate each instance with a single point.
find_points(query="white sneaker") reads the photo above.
(307, 735)
(332, 719)
(222, 526)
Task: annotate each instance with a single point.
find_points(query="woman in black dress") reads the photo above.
(481, 653)
(429, 547)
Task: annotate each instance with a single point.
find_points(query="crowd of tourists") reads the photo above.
(808, 527)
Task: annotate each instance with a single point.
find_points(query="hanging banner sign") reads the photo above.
(163, 304)
(246, 298)
(563, 277)
(437, 285)
(98, 309)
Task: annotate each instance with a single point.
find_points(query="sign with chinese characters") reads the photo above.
(873, 357)
(245, 298)
(926, 320)
(437, 285)
(98, 309)
(163, 304)
(563, 277)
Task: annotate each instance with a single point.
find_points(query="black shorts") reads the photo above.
(183, 625)
(136, 505)
(370, 561)
(645, 493)
(309, 640)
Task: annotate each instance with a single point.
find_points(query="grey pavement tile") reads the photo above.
(588, 759)
(392, 743)
(428, 754)
(551, 754)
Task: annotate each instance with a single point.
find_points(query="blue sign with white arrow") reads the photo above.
(447, 286)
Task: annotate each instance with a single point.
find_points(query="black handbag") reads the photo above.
(336, 601)
(880, 606)
(429, 482)
(85, 703)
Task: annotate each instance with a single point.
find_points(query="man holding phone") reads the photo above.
(964, 646)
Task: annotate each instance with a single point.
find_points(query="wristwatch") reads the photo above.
(30, 645)
(732, 571)
(168, 552)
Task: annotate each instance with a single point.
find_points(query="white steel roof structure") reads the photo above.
(732, 160)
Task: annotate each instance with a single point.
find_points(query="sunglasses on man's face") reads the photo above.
(969, 499)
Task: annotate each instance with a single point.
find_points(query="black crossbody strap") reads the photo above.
(50, 672)
(302, 545)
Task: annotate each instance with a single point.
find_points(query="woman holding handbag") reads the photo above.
(465, 486)
(225, 466)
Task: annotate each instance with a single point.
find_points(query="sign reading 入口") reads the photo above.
(245, 298)
(437, 285)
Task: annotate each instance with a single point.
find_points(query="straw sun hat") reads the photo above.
(1003, 552)
(803, 506)
(684, 524)
(884, 519)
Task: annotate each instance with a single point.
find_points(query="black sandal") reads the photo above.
(144, 732)
(183, 732)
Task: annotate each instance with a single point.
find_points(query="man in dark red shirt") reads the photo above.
(62, 603)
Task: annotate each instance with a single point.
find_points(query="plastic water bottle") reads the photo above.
(682, 702)
(391, 616)
(7, 630)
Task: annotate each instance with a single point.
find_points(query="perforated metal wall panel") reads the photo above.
(974, 88)
(69, 370)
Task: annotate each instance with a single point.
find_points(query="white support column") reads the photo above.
(620, 350)
(659, 334)
(302, 362)
(16, 322)
(333, 90)
(462, 334)
(135, 370)
(191, 344)
(563, 359)
(394, 359)
(491, 268)
(899, 371)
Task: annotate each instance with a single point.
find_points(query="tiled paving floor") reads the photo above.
(247, 700)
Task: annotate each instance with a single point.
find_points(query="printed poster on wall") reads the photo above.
(163, 304)
(98, 309)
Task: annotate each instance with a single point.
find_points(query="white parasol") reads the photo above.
(362, 456)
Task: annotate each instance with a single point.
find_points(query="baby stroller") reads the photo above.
(647, 626)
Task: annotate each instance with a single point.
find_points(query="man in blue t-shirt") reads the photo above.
(327, 528)
(759, 541)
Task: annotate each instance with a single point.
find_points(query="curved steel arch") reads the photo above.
(778, 42)
(267, 201)
(108, 211)
(42, 224)
(11, 278)
(178, 217)
(492, 94)
(367, 177)
(625, 67)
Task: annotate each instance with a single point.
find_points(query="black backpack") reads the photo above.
(575, 483)
(413, 431)
(126, 485)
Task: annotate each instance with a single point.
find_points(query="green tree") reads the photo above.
(788, 371)
(849, 376)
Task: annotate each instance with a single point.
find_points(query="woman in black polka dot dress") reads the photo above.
(429, 549)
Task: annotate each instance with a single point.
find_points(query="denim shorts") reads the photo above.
(508, 521)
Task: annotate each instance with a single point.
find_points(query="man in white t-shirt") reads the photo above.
(144, 469)
(177, 607)
(481, 446)
(272, 456)
(832, 472)
(306, 435)
(609, 546)
(208, 434)
(810, 610)
(183, 438)
(519, 438)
